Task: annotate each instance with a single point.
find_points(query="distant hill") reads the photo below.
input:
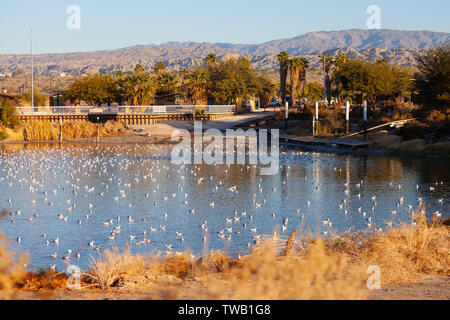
(399, 47)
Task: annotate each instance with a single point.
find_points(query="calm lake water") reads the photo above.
(78, 194)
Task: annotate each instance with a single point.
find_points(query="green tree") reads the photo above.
(8, 114)
(313, 91)
(211, 60)
(94, 90)
(137, 89)
(167, 83)
(196, 84)
(159, 68)
(139, 68)
(39, 98)
(432, 80)
(233, 80)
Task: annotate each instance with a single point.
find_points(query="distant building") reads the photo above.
(9, 97)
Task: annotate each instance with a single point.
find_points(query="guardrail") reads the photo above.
(85, 110)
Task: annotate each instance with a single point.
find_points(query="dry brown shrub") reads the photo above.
(111, 128)
(298, 267)
(410, 250)
(39, 131)
(12, 268)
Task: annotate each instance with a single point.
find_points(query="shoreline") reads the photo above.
(142, 139)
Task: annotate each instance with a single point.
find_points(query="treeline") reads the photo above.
(356, 80)
(225, 82)
(344, 78)
(231, 80)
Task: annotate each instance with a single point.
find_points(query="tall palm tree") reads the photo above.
(327, 62)
(339, 63)
(167, 83)
(137, 89)
(196, 84)
(294, 67)
(184, 78)
(302, 75)
(283, 59)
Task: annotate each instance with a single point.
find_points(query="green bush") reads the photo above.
(2, 136)
(8, 114)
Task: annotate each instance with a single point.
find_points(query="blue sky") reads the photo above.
(115, 24)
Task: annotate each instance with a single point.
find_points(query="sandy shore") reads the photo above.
(429, 288)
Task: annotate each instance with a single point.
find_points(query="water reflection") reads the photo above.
(96, 188)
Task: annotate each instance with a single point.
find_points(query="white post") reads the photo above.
(365, 120)
(286, 113)
(314, 126)
(347, 117)
(347, 111)
(286, 116)
(317, 110)
(365, 111)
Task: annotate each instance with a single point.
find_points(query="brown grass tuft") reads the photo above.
(410, 250)
(12, 269)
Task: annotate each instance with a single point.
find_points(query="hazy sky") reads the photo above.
(112, 24)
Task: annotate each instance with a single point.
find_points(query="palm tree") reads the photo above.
(283, 59)
(211, 60)
(302, 75)
(339, 63)
(139, 68)
(327, 62)
(294, 67)
(159, 68)
(167, 83)
(137, 89)
(196, 84)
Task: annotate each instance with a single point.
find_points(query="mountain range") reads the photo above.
(399, 47)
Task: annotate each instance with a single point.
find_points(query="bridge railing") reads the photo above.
(82, 110)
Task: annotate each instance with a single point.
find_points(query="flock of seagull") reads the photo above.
(90, 198)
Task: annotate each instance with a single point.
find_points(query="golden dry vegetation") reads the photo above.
(71, 130)
(296, 268)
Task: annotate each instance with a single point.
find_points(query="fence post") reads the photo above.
(60, 130)
(286, 116)
(314, 126)
(98, 129)
(347, 118)
(365, 120)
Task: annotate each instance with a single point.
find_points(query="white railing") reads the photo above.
(80, 110)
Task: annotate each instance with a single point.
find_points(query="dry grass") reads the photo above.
(410, 250)
(296, 268)
(71, 130)
(299, 268)
(11, 267)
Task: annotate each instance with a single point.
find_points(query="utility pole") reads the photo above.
(32, 69)
(324, 82)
